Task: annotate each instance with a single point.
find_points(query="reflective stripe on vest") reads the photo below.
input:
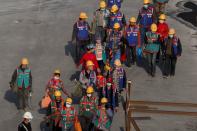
(132, 35)
(114, 39)
(23, 78)
(82, 31)
(116, 18)
(147, 17)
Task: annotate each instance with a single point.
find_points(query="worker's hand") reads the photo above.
(11, 85)
(98, 70)
(116, 109)
(30, 94)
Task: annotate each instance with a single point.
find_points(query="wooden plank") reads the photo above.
(135, 102)
(181, 113)
(134, 124)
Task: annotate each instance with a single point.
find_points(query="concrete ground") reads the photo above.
(41, 30)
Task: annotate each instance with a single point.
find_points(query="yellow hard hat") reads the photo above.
(102, 4)
(89, 90)
(171, 31)
(114, 8)
(107, 67)
(57, 71)
(117, 62)
(24, 61)
(153, 27)
(162, 17)
(132, 19)
(104, 100)
(89, 63)
(57, 93)
(69, 100)
(146, 1)
(116, 25)
(83, 15)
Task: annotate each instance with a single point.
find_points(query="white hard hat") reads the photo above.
(28, 115)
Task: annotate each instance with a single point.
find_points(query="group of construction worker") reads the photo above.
(111, 37)
(101, 49)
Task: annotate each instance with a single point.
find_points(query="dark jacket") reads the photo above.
(24, 127)
(173, 46)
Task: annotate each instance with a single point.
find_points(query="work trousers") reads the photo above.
(170, 65)
(151, 58)
(131, 55)
(23, 97)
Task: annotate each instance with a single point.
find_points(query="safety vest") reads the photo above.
(114, 39)
(153, 43)
(56, 108)
(118, 78)
(100, 81)
(88, 104)
(23, 78)
(132, 35)
(99, 52)
(55, 85)
(102, 17)
(82, 33)
(68, 116)
(116, 18)
(92, 77)
(110, 3)
(173, 45)
(146, 16)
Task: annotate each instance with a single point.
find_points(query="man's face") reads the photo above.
(58, 98)
(90, 68)
(24, 66)
(132, 23)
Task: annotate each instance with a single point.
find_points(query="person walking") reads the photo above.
(25, 125)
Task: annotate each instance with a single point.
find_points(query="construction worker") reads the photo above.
(87, 109)
(132, 36)
(152, 48)
(110, 3)
(146, 17)
(102, 122)
(116, 16)
(81, 31)
(55, 83)
(68, 116)
(160, 6)
(100, 84)
(22, 81)
(100, 54)
(89, 56)
(119, 77)
(114, 44)
(173, 50)
(112, 96)
(25, 125)
(87, 76)
(162, 30)
(101, 19)
(54, 111)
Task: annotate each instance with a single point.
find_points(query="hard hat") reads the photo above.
(153, 27)
(132, 19)
(107, 67)
(114, 8)
(162, 17)
(69, 100)
(89, 63)
(172, 31)
(146, 1)
(28, 115)
(104, 100)
(57, 71)
(102, 4)
(57, 93)
(24, 61)
(89, 90)
(116, 25)
(117, 62)
(83, 15)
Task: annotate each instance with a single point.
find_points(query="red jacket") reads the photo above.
(88, 56)
(162, 30)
